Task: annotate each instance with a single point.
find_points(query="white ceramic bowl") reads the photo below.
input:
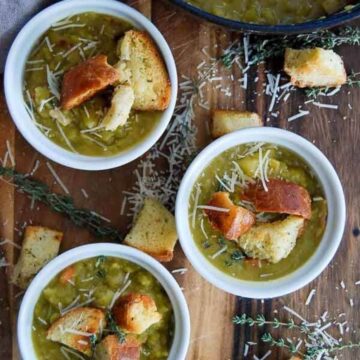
(176, 296)
(328, 245)
(14, 76)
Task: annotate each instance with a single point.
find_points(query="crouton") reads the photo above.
(314, 68)
(135, 313)
(40, 245)
(67, 274)
(121, 104)
(75, 328)
(110, 348)
(83, 81)
(295, 358)
(154, 231)
(282, 197)
(142, 66)
(230, 219)
(226, 121)
(272, 241)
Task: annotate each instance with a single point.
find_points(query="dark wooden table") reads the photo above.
(213, 336)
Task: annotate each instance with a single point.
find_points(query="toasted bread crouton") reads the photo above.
(226, 121)
(314, 68)
(228, 218)
(272, 241)
(142, 66)
(75, 328)
(121, 104)
(67, 274)
(110, 348)
(135, 313)
(40, 245)
(295, 358)
(154, 231)
(83, 81)
(282, 197)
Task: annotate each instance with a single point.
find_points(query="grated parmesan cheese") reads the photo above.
(300, 114)
(222, 250)
(118, 293)
(213, 208)
(202, 228)
(309, 298)
(181, 271)
(57, 178)
(327, 106)
(266, 355)
(66, 351)
(11, 155)
(68, 26)
(52, 83)
(67, 141)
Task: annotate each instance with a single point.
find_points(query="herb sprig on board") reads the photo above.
(63, 204)
(263, 48)
(313, 336)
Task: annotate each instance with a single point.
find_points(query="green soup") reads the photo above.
(66, 44)
(271, 11)
(95, 282)
(283, 164)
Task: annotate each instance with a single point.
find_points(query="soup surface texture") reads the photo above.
(270, 12)
(231, 171)
(94, 283)
(66, 44)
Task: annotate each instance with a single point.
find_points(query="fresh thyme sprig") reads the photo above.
(261, 321)
(93, 341)
(312, 337)
(39, 191)
(280, 343)
(263, 48)
(235, 257)
(114, 328)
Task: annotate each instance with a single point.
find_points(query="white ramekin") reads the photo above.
(176, 296)
(328, 245)
(14, 76)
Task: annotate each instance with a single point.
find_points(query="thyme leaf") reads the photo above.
(93, 341)
(114, 328)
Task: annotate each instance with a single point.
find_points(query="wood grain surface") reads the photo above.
(213, 336)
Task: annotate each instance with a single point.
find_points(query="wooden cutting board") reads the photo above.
(213, 336)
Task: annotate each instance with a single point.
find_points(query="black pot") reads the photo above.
(309, 26)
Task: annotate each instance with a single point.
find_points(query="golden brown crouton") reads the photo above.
(141, 65)
(295, 358)
(154, 231)
(110, 348)
(233, 223)
(83, 81)
(40, 245)
(226, 121)
(75, 328)
(67, 274)
(121, 103)
(272, 241)
(282, 197)
(314, 68)
(135, 313)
